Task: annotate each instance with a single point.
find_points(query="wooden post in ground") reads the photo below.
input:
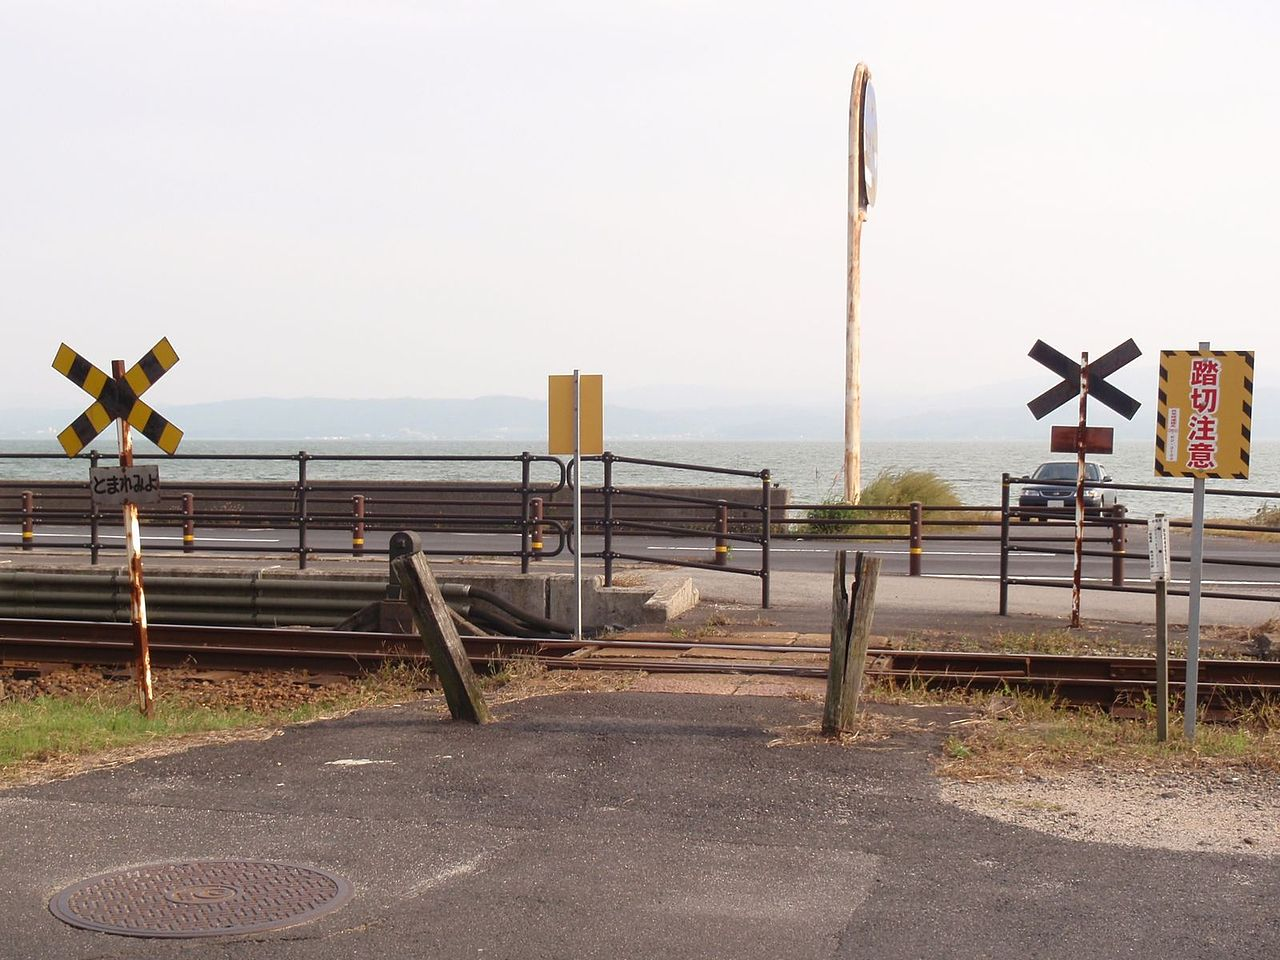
(440, 637)
(850, 636)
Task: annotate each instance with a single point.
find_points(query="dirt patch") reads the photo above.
(1219, 813)
(870, 728)
(523, 679)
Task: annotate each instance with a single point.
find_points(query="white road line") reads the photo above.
(890, 553)
(146, 538)
(1207, 583)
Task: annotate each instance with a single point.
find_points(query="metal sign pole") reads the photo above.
(1158, 556)
(577, 504)
(1080, 463)
(133, 549)
(1191, 698)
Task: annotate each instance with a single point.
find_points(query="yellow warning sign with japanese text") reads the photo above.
(1204, 416)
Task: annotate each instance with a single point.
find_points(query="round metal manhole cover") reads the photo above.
(201, 898)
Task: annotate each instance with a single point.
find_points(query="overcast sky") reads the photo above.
(381, 199)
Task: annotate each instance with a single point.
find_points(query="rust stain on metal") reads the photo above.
(201, 898)
(535, 514)
(722, 535)
(357, 527)
(138, 611)
(28, 520)
(1096, 440)
(1080, 462)
(133, 547)
(188, 523)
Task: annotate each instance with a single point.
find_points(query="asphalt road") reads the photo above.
(1227, 568)
(628, 825)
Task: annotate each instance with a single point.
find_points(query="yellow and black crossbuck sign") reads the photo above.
(117, 399)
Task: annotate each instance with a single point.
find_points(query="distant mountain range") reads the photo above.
(998, 413)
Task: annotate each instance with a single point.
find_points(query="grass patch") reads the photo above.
(1267, 515)
(51, 727)
(889, 490)
(1015, 735)
(53, 721)
(1222, 643)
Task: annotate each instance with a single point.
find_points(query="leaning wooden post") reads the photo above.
(850, 636)
(440, 637)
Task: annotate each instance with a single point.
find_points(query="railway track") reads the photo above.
(1081, 679)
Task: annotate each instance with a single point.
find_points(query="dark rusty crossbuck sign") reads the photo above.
(116, 398)
(1082, 380)
(1095, 380)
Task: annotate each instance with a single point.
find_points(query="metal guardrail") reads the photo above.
(1106, 533)
(754, 524)
(522, 508)
(529, 511)
(1118, 523)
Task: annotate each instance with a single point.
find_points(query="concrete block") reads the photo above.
(622, 606)
(561, 593)
(529, 593)
(672, 598)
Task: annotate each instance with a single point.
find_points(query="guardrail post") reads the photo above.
(357, 526)
(188, 523)
(302, 509)
(916, 560)
(524, 511)
(608, 519)
(94, 545)
(28, 520)
(535, 528)
(1004, 545)
(1118, 530)
(722, 531)
(765, 523)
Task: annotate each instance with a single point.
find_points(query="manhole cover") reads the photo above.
(201, 898)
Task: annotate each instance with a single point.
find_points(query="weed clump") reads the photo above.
(884, 505)
(1267, 515)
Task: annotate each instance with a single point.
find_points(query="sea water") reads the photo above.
(810, 470)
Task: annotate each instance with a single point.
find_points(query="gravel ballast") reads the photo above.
(1200, 812)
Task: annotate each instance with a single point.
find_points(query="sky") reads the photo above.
(393, 199)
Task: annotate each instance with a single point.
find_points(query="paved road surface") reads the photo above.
(951, 558)
(633, 825)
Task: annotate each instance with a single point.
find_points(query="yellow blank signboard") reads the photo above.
(560, 414)
(1204, 415)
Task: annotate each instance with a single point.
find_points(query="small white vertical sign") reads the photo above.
(1158, 548)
